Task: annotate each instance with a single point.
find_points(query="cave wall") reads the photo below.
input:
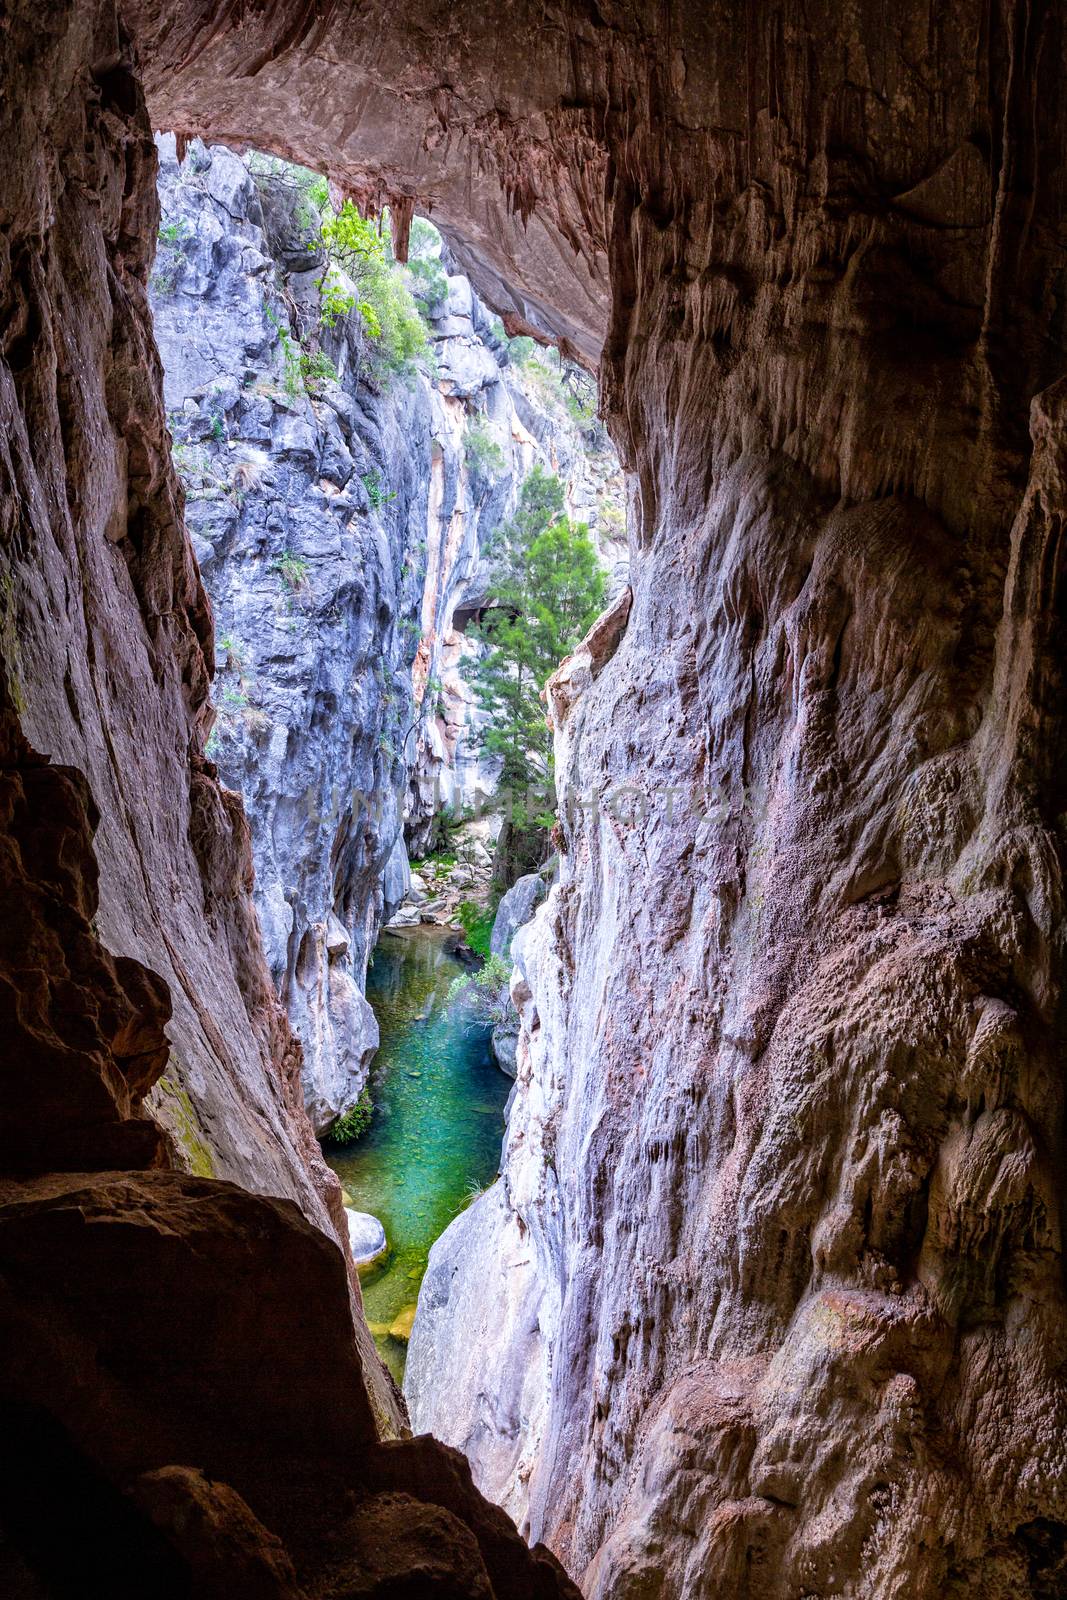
(779, 1305)
(186, 1404)
(780, 1219)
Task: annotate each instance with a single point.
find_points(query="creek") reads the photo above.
(434, 1140)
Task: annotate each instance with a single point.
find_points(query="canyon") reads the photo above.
(340, 522)
(768, 1300)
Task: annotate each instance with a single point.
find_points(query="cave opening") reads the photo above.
(380, 485)
(769, 1299)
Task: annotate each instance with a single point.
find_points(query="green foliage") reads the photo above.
(169, 263)
(316, 367)
(385, 302)
(354, 1123)
(319, 193)
(334, 299)
(547, 592)
(292, 570)
(484, 994)
(440, 864)
(485, 459)
(521, 349)
(376, 494)
(477, 923)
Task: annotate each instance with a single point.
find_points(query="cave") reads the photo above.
(770, 1301)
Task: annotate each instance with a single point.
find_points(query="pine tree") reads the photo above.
(547, 591)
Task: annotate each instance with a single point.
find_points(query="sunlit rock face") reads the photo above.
(306, 504)
(340, 515)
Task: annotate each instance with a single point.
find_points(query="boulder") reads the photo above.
(366, 1236)
(406, 917)
(401, 1326)
(514, 911)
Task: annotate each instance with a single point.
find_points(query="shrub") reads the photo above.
(172, 233)
(292, 570)
(385, 303)
(483, 995)
(354, 1124)
(477, 922)
(377, 496)
(316, 367)
(334, 299)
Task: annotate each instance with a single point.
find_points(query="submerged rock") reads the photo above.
(366, 1236)
(402, 1324)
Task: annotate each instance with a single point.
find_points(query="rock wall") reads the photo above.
(783, 1189)
(339, 522)
(306, 503)
(778, 1301)
(173, 1418)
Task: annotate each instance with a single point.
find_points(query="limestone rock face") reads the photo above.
(339, 522)
(516, 908)
(305, 502)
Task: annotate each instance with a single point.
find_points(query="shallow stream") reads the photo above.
(438, 1123)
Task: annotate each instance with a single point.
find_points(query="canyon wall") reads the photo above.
(340, 513)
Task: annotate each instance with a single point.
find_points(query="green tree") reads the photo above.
(384, 300)
(547, 591)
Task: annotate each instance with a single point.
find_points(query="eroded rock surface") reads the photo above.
(778, 1235)
(186, 1404)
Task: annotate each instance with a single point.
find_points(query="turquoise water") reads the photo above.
(437, 1127)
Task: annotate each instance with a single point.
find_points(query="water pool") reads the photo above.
(438, 1122)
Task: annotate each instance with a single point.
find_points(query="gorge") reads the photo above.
(768, 1299)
